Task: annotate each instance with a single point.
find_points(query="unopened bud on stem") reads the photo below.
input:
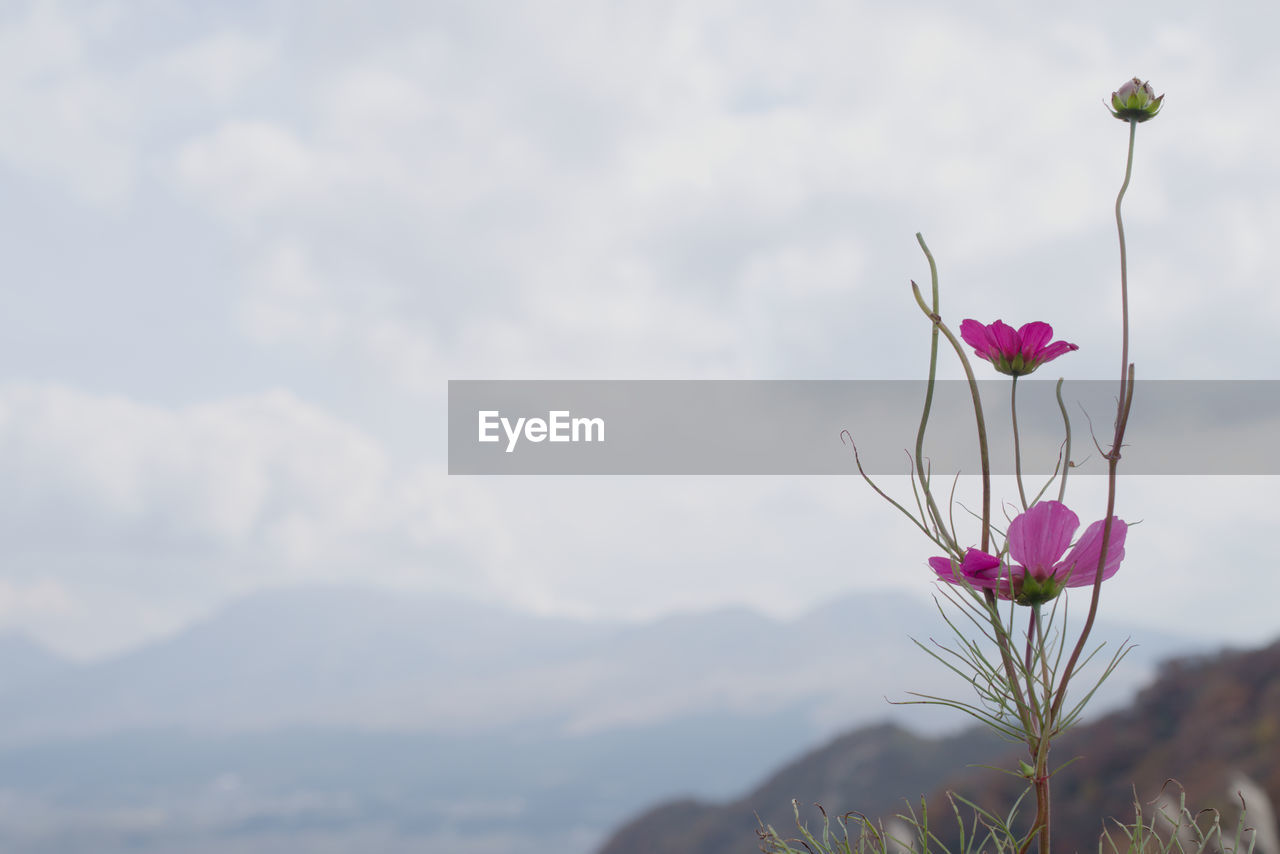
(1135, 101)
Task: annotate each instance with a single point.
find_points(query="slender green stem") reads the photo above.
(1123, 404)
(1066, 449)
(1035, 704)
(946, 545)
(1028, 662)
(1046, 729)
(1122, 419)
(1017, 446)
(983, 454)
(921, 471)
(1003, 641)
(1044, 803)
(1124, 268)
(1045, 680)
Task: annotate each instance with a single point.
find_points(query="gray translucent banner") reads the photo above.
(810, 427)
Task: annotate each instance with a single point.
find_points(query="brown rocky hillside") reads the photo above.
(1201, 722)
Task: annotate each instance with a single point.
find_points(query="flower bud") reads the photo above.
(1135, 101)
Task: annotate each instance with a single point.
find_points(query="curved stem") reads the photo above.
(983, 454)
(1122, 419)
(1124, 268)
(921, 470)
(1066, 451)
(1003, 641)
(1123, 404)
(1017, 446)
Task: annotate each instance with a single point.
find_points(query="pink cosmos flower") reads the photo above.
(1014, 352)
(1037, 541)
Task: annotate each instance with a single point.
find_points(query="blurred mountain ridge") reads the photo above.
(327, 717)
(1207, 723)
(393, 661)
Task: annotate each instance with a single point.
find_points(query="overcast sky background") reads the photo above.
(246, 245)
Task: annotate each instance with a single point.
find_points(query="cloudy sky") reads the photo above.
(246, 245)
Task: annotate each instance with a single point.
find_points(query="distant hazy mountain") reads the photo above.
(1207, 723)
(441, 724)
(343, 658)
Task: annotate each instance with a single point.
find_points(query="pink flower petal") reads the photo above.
(1081, 566)
(1034, 336)
(1005, 337)
(977, 336)
(979, 568)
(1039, 536)
(1054, 350)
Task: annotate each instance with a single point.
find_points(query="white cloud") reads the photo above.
(67, 122)
(225, 475)
(289, 302)
(248, 168)
(699, 154)
(25, 606)
(595, 190)
(218, 66)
